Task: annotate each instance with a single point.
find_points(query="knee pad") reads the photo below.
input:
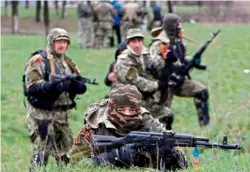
(202, 95)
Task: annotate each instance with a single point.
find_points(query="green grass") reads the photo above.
(226, 59)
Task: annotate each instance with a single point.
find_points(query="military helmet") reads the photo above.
(170, 24)
(134, 33)
(56, 34)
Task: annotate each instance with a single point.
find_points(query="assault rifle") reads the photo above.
(55, 78)
(148, 140)
(195, 62)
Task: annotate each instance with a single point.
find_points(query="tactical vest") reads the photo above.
(46, 102)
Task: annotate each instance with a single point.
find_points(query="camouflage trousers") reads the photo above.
(50, 134)
(103, 29)
(85, 28)
(192, 88)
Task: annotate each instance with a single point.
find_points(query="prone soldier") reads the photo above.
(118, 116)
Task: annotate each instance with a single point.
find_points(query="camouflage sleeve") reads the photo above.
(150, 124)
(126, 73)
(34, 71)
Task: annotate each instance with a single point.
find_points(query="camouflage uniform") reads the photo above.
(49, 130)
(131, 68)
(189, 88)
(102, 118)
(130, 17)
(104, 13)
(85, 17)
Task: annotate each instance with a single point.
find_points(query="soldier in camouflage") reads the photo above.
(132, 68)
(104, 16)
(189, 88)
(85, 17)
(49, 101)
(117, 116)
(131, 12)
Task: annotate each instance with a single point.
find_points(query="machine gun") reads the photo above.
(148, 140)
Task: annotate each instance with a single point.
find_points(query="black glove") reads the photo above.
(61, 86)
(118, 157)
(171, 57)
(175, 81)
(78, 85)
(162, 85)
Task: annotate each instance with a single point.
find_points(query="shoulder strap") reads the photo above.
(72, 65)
(48, 66)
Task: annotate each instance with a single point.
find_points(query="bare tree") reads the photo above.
(46, 17)
(199, 4)
(6, 11)
(56, 8)
(27, 4)
(63, 15)
(38, 11)
(15, 20)
(170, 6)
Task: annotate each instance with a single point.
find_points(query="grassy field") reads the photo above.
(229, 87)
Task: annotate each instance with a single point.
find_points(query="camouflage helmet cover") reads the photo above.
(56, 34)
(134, 33)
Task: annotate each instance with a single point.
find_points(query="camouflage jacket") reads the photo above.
(97, 122)
(132, 68)
(104, 12)
(35, 74)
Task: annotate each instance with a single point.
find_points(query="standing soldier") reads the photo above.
(85, 17)
(132, 68)
(50, 99)
(117, 23)
(156, 22)
(189, 87)
(104, 16)
(130, 17)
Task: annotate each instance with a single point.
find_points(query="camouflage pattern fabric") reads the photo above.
(190, 88)
(104, 13)
(130, 18)
(131, 68)
(49, 131)
(97, 122)
(85, 28)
